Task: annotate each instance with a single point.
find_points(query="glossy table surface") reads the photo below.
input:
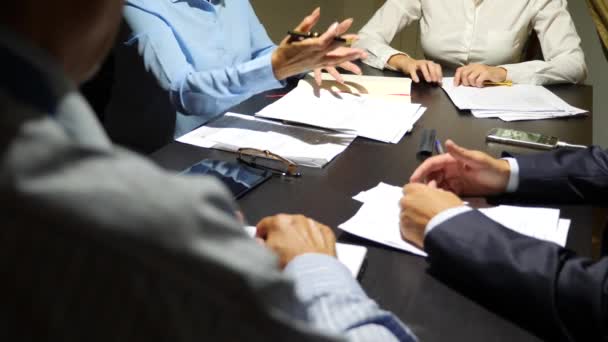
(400, 282)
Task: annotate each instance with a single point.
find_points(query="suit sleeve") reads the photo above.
(573, 176)
(541, 285)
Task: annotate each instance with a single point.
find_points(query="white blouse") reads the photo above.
(492, 32)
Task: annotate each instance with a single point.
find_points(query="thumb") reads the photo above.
(469, 157)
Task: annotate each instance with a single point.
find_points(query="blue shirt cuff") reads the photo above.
(513, 183)
(317, 274)
(262, 74)
(444, 216)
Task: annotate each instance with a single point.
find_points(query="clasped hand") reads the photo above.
(295, 57)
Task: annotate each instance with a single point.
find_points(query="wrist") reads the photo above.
(501, 74)
(277, 62)
(504, 170)
(400, 62)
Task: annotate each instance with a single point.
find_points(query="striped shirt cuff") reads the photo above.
(319, 274)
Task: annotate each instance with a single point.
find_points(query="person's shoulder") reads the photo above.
(152, 5)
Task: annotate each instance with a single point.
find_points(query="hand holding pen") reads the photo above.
(293, 57)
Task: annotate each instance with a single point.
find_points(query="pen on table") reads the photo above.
(297, 35)
(505, 83)
(438, 147)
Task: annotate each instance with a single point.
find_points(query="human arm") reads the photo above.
(377, 34)
(212, 91)
(193, 91)
(332, 298)
(565, 175)
(540, 284)
(564, 59)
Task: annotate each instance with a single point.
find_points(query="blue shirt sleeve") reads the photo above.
(335, 302)
(200, 92)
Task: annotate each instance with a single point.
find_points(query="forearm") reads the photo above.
(539, 283)
(335, 302)
(375, 37)
(574, 176)
(491, 263)
(570, 68)
(212, 92)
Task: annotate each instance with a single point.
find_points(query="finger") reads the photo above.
(433, 71)
(310, 21)
(340, 51)
(425, 72)
(464, 76)
(318, 78)
(432, 184)
(352, 67)
(457, 77)
(335, 74)
(430, 165)
(413, 70)
(334, 61)
(439, 73)
(264, 226)
(344, 26)
(472, 78)
(327, 38)
(473, 158)
(480, 79)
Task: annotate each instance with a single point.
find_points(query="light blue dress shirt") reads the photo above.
(209, 55)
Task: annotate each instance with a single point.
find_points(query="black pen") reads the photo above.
(297, 35)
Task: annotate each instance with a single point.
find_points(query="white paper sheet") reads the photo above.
(378, 219)
(515, 103)
(352, 256)
(383, 118)
(304, 146)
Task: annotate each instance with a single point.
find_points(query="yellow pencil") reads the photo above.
(505, 83)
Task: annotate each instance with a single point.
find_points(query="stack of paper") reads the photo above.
(351, 256)
(304, 146)
(352, 109)
(517, 102)
(378, 220)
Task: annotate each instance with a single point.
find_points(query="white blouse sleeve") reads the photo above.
(377, 34)
(564, 59)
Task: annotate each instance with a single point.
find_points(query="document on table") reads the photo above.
(352, 256)
(304, 146)
(382, 118)
(378, 220)
(517, 102)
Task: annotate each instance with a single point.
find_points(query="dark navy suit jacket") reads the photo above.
(545, 287)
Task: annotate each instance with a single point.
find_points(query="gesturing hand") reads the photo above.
(419, 205)
(464, 172)
(474, 75)
(295, 57)
(292, 235)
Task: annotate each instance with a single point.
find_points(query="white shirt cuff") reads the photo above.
(444, 216)
(513, 183)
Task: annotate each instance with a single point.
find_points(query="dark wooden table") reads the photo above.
(397, 280)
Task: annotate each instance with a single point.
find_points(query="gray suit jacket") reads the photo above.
(98, 244)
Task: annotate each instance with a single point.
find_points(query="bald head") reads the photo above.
(78, 34)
